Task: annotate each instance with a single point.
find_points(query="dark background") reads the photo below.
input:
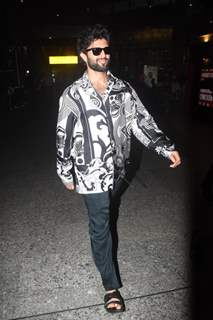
(161, 33)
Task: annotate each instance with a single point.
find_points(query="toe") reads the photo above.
(114, 305)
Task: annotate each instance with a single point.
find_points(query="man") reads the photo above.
(97, 114)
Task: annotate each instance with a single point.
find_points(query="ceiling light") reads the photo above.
(206, 37)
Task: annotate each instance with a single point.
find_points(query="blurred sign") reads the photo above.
(206, 88)
(153, 34)
(63, 60)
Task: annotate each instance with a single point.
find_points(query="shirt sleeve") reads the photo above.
(64, 140)
(146, 130)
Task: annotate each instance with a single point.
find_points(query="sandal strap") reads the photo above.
(113, 295)
(115, 301)
(116, 298)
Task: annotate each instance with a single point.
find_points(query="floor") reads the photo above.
(47, 272)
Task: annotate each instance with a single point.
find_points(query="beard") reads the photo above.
(98, 67)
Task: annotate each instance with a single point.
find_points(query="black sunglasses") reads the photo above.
(97, 51)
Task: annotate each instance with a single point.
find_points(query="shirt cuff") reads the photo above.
(69, 180)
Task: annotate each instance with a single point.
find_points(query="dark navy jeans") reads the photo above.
(98, 206)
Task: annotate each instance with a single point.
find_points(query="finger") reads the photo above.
(175, 164)
(70, 187)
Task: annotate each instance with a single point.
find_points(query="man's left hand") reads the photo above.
(175, 158)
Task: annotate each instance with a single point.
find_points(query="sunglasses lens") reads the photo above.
(107, 50)
(96, 51)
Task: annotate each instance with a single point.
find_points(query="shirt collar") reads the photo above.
(87, 86)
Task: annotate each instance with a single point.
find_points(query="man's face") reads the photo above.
(99, 62)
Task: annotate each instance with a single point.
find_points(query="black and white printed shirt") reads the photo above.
(93, 133)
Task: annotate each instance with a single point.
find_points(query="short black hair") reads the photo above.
(91, 34)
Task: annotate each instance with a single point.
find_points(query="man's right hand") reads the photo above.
(70, 186)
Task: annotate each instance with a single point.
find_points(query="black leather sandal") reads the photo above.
(116, 298)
